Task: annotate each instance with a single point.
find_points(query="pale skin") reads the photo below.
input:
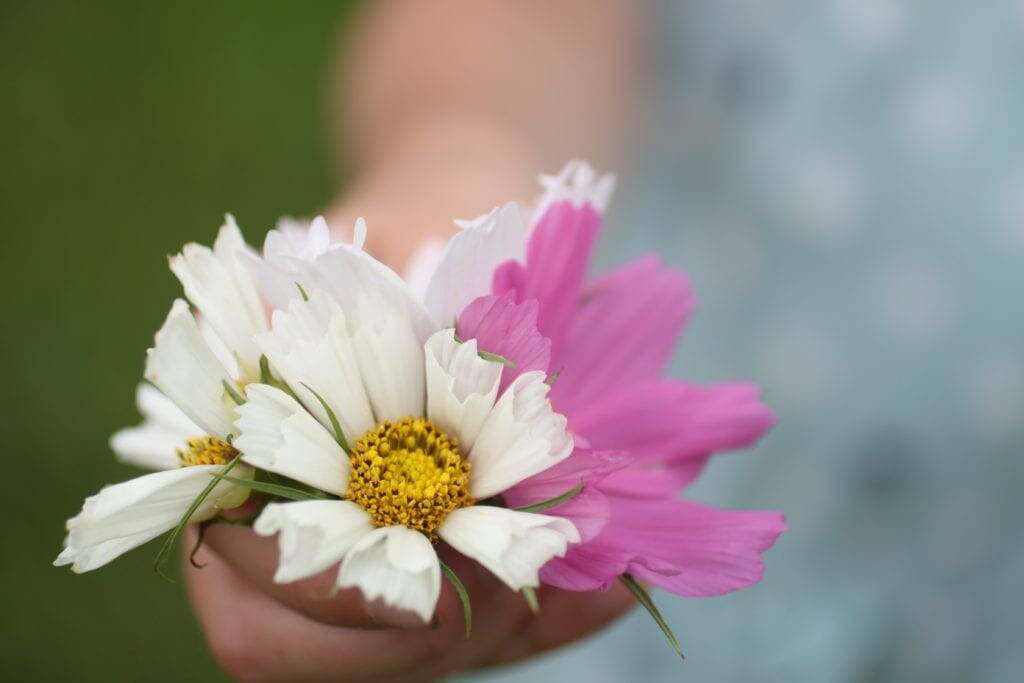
(447, 108)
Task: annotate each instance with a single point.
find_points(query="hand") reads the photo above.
(262, 631)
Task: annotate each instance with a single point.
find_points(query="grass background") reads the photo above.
(128, 129)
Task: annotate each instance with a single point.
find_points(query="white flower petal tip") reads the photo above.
(312, 535)
(520, 437)
(277, 434)
(218, 284)
(578, 183)
(310, 347)
(512, 545)
(467, 266)
(182, 365)
(126, 515)
(296, 238)
(359, 233)
(508, 216)
(461, 386)
(422, 265)
(153, 444)
(396, 565)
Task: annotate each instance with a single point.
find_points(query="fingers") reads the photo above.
(567, 616)
(255, 557)
(253, 637)
(246, 615)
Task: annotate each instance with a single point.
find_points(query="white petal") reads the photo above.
(399, 566)
(521, 437)
(422, 265)
(387, 325)
(512, 545)
(223, 290)
(224, 355)
(390, 362)
(314, 534)
(126, 515)
(278, 435)
(578, 183)
(310, 347)
(299, 238)
(154, 443)
(349, 275)
(467, 267)
(358, 233)
(184, 368)
(461, 386)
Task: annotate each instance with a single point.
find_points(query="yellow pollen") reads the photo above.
(408, 473)
(206, 450)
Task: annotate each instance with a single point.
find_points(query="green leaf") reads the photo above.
(168, 546)
(552, 502)
(274, 489)
(467, 611)
(644, 598)
(305, 297)
(339, 435)
(531, 599)
(232, 392)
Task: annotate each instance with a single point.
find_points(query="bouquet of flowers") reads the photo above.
(511, 408)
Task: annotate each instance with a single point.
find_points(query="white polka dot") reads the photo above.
(799, 363)
(1008, 211)
(938, 114)
(826, 195)
(916, 300)
(872, 23)
(995, 395)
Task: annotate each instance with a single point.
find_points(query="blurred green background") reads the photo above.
(128, 129)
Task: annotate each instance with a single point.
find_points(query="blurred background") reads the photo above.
(843, 180)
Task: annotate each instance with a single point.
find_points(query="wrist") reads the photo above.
(442, 168)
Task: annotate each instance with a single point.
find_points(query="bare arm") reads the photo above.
(450, 107)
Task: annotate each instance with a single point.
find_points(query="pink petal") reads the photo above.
(587, 567)
(698, 550)
(693, 549)
(583, 465)
(588, 510)
(508, 329)
(663, 481)
(670, 421)
(624, 329)
(557, 257)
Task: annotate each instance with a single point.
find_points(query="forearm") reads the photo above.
(446, 107)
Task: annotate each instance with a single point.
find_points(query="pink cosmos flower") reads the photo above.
(640, 438)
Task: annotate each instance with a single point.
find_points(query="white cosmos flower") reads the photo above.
(188, 417)
(428, 436)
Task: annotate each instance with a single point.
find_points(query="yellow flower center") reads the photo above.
(408, 473)
(206, 450)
